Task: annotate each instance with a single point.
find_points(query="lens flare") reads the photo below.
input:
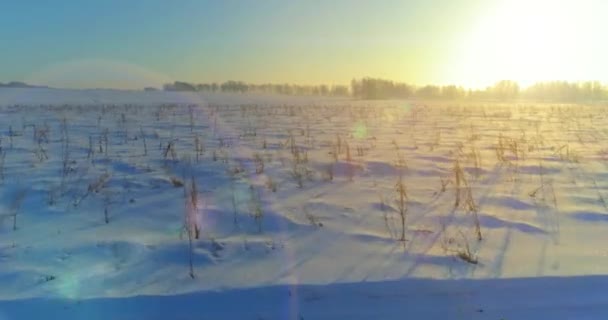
(360, 131)
(406, 107)
(69, 286)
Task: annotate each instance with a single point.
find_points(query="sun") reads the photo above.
(522, 40)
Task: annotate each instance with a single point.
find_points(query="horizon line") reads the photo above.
(22, 84)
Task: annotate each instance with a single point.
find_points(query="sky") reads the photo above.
(137, 43)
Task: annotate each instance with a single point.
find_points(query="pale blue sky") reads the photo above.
(120, 43)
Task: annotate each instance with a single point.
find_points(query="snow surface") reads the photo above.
(533, 177)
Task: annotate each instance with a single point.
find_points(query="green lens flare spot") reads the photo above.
(360, 131)
(69, 286)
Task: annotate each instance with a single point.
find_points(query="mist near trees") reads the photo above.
(243, 87)
(376, 88)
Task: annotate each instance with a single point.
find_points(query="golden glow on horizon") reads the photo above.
(526, 41)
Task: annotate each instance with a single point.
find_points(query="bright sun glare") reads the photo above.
(525, 41)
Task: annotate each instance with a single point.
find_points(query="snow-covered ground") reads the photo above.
(156, 205)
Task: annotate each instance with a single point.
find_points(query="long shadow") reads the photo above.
(577, 297)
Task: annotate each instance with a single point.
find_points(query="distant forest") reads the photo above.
(374, 88)
(17, 84)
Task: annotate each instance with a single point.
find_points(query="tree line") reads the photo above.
(243, 87)
(375, 88)
(505, 90)
(18, 84)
